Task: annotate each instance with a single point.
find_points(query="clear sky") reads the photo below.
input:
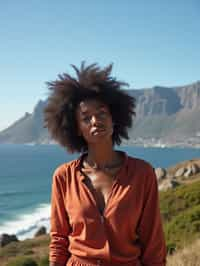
(149, 42)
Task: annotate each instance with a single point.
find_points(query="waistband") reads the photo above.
(75, 260)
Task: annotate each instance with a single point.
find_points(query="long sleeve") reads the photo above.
(150, 226)
(58, 248)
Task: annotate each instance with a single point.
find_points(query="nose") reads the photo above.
(94, 120)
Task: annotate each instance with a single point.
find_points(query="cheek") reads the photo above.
(81, 127)
(83, 130)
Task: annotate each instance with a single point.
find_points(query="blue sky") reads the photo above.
(149, 42)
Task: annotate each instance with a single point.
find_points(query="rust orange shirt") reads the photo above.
(129, 231)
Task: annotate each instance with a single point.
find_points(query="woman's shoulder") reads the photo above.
(139, 163)
(141, 170)
(64, 169)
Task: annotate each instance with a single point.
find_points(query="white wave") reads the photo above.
(25, 225)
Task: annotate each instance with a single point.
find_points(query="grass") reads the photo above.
(177, 200)
(180, 209)
(188, 256)
(36, 248)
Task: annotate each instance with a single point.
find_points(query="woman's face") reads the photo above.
(94, 121)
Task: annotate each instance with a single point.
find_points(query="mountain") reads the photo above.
(166, 114)
(28, 129)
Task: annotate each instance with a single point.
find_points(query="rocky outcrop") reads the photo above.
(168, 183)
(41, 231)
(5, 239)
(160, 173)
(191, 170)
(157, 101)
(180, 172)
(189, 96)
(188, 170)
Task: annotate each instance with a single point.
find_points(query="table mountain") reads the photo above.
(167, 113)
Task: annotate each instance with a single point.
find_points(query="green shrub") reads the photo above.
(183, 228)
(171, 248)
(175, 201)
(23, 248)
(22, 261)
(44, 261)
(9, 250)
(180, 209)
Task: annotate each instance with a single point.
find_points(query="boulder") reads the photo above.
(180, 172)
(188, 172)
(160, 173)
(41, 231)
(192, 169)
(6, 239)
(195, 169)
(168, 183)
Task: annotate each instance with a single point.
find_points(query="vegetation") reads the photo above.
(182, 198)
(20, 253)
(23, 261)
(189, 256)
(28, 261)
(180, 208)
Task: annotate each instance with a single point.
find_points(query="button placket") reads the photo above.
(98, 262)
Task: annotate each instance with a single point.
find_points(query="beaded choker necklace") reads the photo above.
(105, 167)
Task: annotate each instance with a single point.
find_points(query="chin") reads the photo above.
(101, 139)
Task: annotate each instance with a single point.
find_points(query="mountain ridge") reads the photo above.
(166, 114)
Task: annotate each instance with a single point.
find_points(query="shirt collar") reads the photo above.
(79, 162)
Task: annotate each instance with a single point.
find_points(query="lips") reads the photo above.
(97, 131)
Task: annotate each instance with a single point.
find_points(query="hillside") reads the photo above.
(163, 115)
(28, 129)
(189, 256)
(15, 253)
(180, 209)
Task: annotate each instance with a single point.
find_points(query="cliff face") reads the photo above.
(27, 129)
(190, 96)
(156, 101)
(161, 112)
(167, 101)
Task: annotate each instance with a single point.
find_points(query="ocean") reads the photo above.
(26, 175)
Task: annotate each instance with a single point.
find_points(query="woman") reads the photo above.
(104, 206)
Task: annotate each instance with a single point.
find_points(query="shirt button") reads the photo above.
(99, 262)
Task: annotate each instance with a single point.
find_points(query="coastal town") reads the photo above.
(190, 142)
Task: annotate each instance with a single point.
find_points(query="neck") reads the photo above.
(101, 154)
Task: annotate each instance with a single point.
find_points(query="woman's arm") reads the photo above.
(58, 248)
(150, 227)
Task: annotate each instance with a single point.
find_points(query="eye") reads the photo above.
(86, 119)
(102, 114)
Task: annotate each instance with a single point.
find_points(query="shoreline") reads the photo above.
(143, 143)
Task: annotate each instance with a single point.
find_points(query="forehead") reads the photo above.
(86, 106)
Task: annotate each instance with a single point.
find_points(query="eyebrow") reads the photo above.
(98, 107)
